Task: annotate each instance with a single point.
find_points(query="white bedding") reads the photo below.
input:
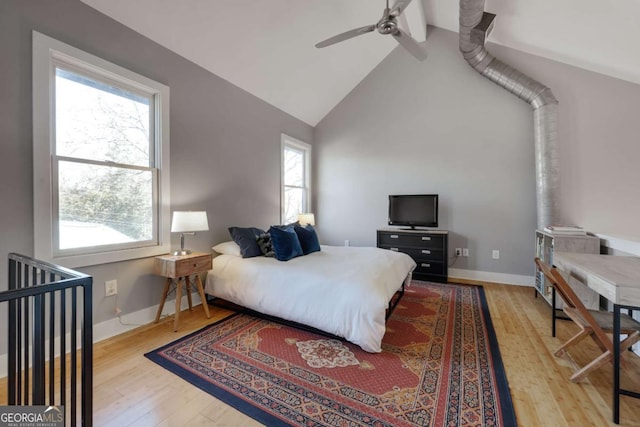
(341, 290)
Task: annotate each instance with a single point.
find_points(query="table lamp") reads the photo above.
(188, 222)
(306, 218)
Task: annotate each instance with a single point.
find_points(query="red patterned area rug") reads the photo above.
(440, 366)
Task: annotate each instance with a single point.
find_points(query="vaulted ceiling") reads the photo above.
(266, 47)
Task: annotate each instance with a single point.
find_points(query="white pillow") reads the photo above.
(228, 248)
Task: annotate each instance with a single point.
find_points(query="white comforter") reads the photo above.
(341, 290)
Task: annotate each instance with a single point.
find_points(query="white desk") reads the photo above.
(616, 278)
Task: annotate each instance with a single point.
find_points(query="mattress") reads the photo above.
(344, 291)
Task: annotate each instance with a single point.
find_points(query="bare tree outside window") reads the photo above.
(101, 159)
(295, 198)
(104, 163)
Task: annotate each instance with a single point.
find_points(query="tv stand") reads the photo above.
(428, 248)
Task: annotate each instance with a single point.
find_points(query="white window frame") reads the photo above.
(287, 141)
(48, 52)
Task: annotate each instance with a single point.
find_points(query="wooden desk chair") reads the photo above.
(594, 323)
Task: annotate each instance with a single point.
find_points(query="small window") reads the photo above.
(100, 159)
(296, 172)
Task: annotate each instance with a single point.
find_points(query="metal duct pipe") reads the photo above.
(475, 26)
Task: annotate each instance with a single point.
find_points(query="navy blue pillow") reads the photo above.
(247, 239)
(285, 243)
(308, 238)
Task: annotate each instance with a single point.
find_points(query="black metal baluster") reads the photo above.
(14, 272)
(27, 341)
(87, 356)
(63, 347)
(37, 366)
(74, 362)
(18, 349)
(52, 344)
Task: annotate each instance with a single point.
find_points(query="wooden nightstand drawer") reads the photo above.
(182, 265)
(193, 265)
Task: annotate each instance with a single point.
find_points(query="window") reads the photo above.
(101, 165)
(296, 161)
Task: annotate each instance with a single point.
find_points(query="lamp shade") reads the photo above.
(188, 221)
(306, 218)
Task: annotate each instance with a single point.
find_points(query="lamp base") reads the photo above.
(181, 252)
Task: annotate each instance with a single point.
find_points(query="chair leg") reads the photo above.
(600, 344)
(629, 341)
(599, 361)
(626, 344)
(574, 340)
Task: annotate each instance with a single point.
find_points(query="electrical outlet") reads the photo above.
(110, 287)
(458, 252)
(465, 251)
(495, 254)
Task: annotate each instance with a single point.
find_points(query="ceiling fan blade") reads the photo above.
(346, 35)
(398, 8)
(410, 44)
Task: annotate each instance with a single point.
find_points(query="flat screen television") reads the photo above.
(413, 210)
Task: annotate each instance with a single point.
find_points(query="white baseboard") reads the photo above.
(129, 321)
(115, 326)
(488, 276)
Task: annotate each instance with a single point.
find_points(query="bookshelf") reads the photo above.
(548, 243)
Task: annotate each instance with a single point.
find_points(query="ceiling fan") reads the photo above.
(388, 24)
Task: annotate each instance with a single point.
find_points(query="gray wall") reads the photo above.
(225, 143)
(439, 127)
(599, 140)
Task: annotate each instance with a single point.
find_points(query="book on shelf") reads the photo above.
(565, 230)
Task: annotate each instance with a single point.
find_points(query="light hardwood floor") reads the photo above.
(131, 390)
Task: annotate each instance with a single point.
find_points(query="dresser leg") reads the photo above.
(165, 291)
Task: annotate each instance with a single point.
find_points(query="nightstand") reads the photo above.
(177, 268)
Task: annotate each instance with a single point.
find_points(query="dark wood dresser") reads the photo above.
(428, 248)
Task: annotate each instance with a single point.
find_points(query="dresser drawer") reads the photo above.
(410, 239)
(417, 253)
(429, 267)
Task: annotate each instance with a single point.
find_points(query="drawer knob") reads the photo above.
(424, 264)
(393, 236)
(425, 251)
(394, 249)
(426, 238)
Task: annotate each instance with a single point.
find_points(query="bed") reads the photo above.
(343, 291)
